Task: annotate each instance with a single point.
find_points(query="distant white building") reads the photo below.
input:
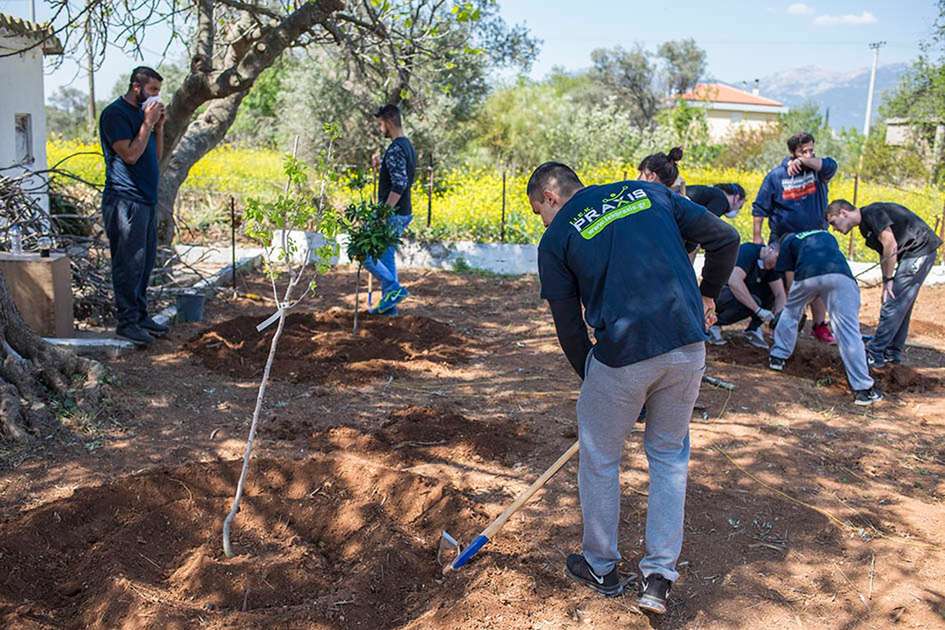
(22, 98)
(728, 109)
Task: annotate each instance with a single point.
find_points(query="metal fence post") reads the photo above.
(502, 227)
(233, 242)
(430, 193)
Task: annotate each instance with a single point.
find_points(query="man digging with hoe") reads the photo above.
(618, 250)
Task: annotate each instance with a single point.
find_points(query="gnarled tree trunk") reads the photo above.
(34, 373)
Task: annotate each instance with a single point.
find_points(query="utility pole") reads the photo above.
(91, 72)
(33, 11)
(875, 46)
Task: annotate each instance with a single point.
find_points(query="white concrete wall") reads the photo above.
(722, 123)
(21, 92)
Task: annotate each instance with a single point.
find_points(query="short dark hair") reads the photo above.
(664, 165)
(390, 113)
(837, 205)
(142, 75)
(554, 174)
(798, 140)
(735, 190)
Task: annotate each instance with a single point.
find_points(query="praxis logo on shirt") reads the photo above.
(589, 222)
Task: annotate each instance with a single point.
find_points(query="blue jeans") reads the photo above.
(385, 268)
(607, 408)
(132, 237)
(890, 338)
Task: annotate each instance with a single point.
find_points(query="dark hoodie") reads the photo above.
(794, 204)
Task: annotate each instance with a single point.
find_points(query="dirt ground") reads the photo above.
(802, 511)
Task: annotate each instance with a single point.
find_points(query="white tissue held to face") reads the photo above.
(151, 99)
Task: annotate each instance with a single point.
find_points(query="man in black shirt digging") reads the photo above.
(617, 250)
(907, 248)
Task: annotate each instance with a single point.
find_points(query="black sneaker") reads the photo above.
(776, 364)
(866, 397)
(135, 334)
(153, 328)
(654, 592)
(610, 585)
(875, 362)
(892, 360)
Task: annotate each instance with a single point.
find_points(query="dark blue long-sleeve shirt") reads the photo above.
(794, 204)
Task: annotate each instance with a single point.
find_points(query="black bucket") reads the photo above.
(190, 306)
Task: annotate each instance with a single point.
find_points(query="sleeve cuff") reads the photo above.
(710, 289)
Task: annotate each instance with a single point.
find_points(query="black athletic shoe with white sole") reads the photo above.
(866, 397)
(776, 364)
(153, 328)
(577, 568)
(654, 591)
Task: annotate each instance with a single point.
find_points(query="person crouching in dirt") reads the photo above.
(617, 250)
(814, 267)
(754, 290)
(907, 246)
(793, 196)
(397, 170)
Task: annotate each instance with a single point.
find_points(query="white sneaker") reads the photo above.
(715, 336)
(756, 338)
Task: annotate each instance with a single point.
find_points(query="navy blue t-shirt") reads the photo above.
(757, 279)
(136, 182)
(810, 254)
(619, 248)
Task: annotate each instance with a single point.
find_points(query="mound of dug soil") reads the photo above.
(340, 540)
(316, 348)
(822, 364)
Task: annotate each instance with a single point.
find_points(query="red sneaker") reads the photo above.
(822, 333)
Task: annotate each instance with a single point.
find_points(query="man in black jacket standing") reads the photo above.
(395, 179)
(618, 251)
(906, 245)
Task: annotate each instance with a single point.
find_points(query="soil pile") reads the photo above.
(821, 363)
(340, 540)
(319, 347)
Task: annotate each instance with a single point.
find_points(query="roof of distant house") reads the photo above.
(38, 32)
(721, 93)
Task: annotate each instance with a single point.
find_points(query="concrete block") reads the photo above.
(42, 291)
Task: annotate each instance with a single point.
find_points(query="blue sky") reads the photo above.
(744, 40)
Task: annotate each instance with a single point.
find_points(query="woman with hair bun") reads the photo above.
(663, 168)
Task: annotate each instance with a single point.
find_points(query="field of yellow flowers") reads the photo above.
(468, 204)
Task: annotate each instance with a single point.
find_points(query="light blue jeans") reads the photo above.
(385, 268)
(607, 409)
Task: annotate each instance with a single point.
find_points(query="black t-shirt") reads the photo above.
(810, 254)
(136, 182)
(619, 248)
(914, 237)
(757, 278)
(710, 198)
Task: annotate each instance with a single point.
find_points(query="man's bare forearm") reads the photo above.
(757, 225)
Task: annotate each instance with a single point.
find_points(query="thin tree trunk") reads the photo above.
(228, 522)
(357, 300)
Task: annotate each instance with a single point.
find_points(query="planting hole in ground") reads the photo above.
(320, 347)
(342, 536)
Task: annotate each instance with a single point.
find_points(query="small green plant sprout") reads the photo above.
(370, 234)
(296, 209)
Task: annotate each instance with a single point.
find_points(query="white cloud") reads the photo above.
(849, 19)
(799, 8)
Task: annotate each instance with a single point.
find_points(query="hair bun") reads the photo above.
(675, 154)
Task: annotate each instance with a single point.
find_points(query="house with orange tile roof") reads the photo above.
(728, 108)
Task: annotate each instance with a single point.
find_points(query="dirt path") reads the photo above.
(803, 510)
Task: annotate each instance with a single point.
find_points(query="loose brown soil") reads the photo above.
(369, 447)
(321, 347)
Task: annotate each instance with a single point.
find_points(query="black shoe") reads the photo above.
(153, 328)
(893, 360)
(875, 362)
(610, 585)
(776, 364)
(654, 593)
(135, 334)
(866, 397)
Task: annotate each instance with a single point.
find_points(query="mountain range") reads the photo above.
(843, 94)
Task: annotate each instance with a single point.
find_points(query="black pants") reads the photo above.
(730, 311)
(132, 236)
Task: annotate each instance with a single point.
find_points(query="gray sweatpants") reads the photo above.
(610, 401)
(843, 302)
(890, 338)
